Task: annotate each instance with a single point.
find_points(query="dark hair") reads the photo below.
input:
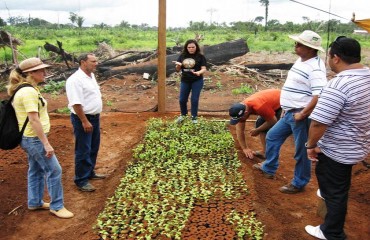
(185, 50)
(83, 57)
(347, 49)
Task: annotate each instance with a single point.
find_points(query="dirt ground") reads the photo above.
(127, 106)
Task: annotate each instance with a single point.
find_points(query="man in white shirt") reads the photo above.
(85, 103)
(298, 98)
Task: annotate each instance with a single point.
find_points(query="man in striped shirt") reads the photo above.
(339, 135)
(298, 98)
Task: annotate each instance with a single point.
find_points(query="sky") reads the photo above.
(180, 13)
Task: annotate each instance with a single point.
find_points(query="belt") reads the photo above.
(294, 110)
(89, 115)
(92, 115)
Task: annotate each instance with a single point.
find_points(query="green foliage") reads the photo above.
(174, 167)
(64, 110)
(244, 89)
(53, 87)
(246, 225)
(143, 37)
(109, 103)
(2, 22)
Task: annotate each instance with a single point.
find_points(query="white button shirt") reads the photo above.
(84, 90)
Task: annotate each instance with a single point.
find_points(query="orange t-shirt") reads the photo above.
(264, 103)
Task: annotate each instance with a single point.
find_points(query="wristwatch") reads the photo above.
(310, 147)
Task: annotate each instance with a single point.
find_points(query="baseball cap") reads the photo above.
(236, 112)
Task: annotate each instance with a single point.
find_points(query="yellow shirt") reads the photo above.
(28, 99)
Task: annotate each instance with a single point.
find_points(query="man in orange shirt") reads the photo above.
(265, 104)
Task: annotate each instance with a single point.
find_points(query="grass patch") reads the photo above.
(244, 89)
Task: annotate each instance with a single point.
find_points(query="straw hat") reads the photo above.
(309, 39)
(32, 64)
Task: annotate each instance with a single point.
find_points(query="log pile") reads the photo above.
(216, 55)
(139, 62)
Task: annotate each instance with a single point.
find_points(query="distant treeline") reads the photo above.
(251, 26)
(34, 33)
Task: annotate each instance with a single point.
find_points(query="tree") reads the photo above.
(19, 20)
(73, 17)
(265, 3)
(198, 26)
(80, 21)
(124, 24)
(2, 22)
(259, 19)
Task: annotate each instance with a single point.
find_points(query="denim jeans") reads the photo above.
(41, 168)
(195, 88)
(274, 140)
(86, 148)
(334, 180)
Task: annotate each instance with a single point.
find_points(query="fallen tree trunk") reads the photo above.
(216, 55)
(59, 50)
(264, 67)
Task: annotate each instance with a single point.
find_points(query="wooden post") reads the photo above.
(162, 56)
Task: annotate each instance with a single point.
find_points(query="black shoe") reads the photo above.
(290, 189)
(98, 176)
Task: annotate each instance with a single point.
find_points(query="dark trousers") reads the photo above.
(334, 180)
(195, 88)
(86, 148)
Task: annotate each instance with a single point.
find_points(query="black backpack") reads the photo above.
(10, 136)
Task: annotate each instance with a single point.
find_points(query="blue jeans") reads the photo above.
(86, 148)
(41, 168)
(277, 135)
(195, 88)
(334, 180)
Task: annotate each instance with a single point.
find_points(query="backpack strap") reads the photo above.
(11, 99)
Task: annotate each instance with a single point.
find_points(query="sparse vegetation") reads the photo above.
(64, 110)
(244, 89)
(53, 87)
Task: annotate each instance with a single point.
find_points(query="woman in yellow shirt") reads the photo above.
(43, 164)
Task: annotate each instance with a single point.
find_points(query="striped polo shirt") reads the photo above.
(344, 105)
(304, 80)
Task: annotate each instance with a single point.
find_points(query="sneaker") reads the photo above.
(62, 213)
(45, 206)
(97, 176)
(290, 189)
(258, 166)
(195, 121)
(315, 231)
(87, 188)
(180, 119)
